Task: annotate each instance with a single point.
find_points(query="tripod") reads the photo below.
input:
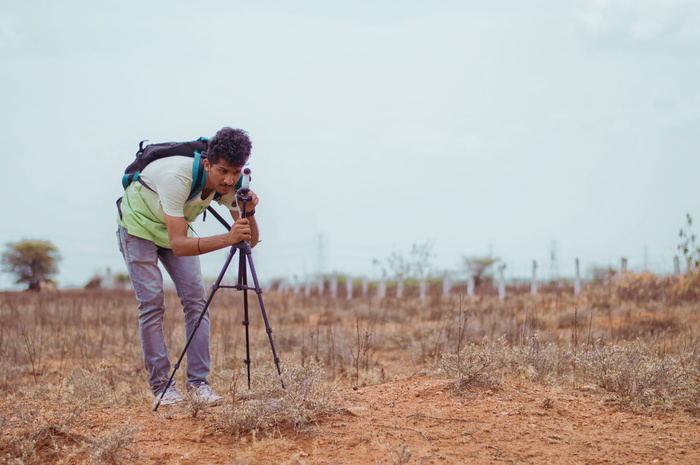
(244, 258)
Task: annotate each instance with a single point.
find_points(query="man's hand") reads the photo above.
(250, 205)
(240, 231)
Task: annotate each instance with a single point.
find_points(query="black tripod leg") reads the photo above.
(214, 288)
(258, 291)
(243, 284)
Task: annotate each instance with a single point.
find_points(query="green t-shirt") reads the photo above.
(142, 209)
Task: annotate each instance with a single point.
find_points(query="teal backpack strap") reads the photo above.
(199, 175)
(129, 178)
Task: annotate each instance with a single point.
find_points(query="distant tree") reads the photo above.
(95, 282)
(691, 253)
(122, 280)
(34, 262)
(478, 267)
(416, 264)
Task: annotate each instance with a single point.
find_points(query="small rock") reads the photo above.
(358, 411)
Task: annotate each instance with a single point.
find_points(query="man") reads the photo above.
(153, 225)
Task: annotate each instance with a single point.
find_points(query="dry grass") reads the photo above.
(636, 337)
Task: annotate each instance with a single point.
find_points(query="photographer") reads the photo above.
(153, 225)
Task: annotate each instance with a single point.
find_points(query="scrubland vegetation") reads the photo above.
(68, 352)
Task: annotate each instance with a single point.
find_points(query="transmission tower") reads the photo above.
(553, 263)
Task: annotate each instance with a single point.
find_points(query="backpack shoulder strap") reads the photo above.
(199, 175)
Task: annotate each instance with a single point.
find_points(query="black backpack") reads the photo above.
(151, 152)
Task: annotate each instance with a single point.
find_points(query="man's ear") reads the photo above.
(207, 165)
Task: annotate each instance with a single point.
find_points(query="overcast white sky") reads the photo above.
(495, 126)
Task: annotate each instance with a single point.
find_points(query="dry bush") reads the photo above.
(687, 287)
(641, 377)
(41, 435)
(474, 365)
(643, 287)
(268, 407)
(115, 448)
(541, 361)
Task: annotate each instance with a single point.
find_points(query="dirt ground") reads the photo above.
(420, 420)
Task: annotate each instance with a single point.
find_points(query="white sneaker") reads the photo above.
(171, 396)
(204, 393)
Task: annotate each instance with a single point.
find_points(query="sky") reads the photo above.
(544, 131)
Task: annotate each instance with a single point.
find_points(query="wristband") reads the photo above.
(200, 250)
(250, 213)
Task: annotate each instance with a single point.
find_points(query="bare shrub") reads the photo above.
(474, 365)
(536, 360)
(88, 388)
(115, 448)
(306, 398)
(642, 287)
(39, 436)
(640, 377)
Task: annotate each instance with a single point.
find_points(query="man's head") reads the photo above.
(231, 145)
(227, 153)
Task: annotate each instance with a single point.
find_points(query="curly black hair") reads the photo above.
(233, 145)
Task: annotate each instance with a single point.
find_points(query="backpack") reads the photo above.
(151, 152)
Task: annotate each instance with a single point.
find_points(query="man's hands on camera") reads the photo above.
(251, 203)
(245, 229)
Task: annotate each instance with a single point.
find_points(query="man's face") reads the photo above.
(222, 176)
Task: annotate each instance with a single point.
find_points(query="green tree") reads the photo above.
(691, 253)
(34, 262)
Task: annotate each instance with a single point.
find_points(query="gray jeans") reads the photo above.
(141, 257)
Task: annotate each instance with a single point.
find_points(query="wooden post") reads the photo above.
(533, 285)
(676, 265)
(577, 279)
(348, 287)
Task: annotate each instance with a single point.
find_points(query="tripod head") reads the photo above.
(243, 193)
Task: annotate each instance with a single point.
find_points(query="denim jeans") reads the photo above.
(141, 257)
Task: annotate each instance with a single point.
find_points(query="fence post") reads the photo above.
(334, 286)
(381, 291)
(577, 279)
(348, 287)
(533, 285)
(676, 265)
(501, 282)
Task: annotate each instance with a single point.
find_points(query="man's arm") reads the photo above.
(182, 245)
